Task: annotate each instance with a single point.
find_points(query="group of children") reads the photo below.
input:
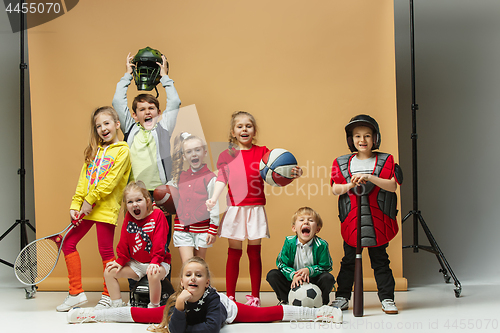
(145, 161)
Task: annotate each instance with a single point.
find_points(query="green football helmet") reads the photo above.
(146, 71)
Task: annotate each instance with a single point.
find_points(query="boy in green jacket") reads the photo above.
(304, 258)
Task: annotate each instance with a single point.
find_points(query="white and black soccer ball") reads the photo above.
(306, 294)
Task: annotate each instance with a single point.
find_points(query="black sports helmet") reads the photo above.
(362, 120)
(146, 72)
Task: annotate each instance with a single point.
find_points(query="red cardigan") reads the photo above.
(192, 213)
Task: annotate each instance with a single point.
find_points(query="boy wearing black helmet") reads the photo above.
(378, 175)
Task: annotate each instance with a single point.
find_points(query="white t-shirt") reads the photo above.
(365, 166)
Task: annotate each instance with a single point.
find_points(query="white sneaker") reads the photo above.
(118, 304)
(71, 301)
(104, 302)
(151, 305)
(328, 313)
(389, 307)
(81, 315)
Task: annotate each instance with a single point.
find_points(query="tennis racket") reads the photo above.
(38, 259)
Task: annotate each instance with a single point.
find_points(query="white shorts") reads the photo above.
(140, 268)
(244, 222)
(184, 238)
(231, 307)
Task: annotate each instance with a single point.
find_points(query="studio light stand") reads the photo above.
(417, 216)
(22, 222)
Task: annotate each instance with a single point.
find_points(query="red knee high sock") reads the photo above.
(252, 314)
(147, 316)
(253, 252)
(232, 270)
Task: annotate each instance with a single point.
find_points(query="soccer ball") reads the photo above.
(306, 294)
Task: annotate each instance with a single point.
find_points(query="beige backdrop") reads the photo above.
(303, 69)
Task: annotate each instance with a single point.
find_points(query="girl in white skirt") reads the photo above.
(245, 217)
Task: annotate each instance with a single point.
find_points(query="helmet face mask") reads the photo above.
(146, 72)
(362, 120)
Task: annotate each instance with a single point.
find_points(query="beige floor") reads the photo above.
(432, 308)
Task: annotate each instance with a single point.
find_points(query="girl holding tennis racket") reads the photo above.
(98, 195)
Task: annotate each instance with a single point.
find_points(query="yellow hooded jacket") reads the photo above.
(102, 183)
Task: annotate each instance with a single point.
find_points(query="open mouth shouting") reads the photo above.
(305, 227)
(148, 122)
(137, 211)
(306, 231)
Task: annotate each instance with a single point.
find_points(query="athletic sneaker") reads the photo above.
(389, 307)
(151, 305)
(81, 315)
(340, 302)
(104, 302)
(118, 303)
(328, 313)
(71, 301)
(252, 301)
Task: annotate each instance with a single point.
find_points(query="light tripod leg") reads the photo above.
(445, 266)
(30, 293)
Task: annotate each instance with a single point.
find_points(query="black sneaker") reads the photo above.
(340, 302)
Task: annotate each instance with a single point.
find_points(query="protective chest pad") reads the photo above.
(398, 174)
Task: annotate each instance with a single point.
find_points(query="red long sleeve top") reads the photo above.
(144, 240)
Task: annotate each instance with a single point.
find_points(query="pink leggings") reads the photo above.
(246, 314)
(105, 234)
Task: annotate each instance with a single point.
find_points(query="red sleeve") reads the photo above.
(387, 171)
(122, 250)
(159, 238)
(223, 167)
(336, 176)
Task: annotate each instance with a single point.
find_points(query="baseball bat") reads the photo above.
(358, 265)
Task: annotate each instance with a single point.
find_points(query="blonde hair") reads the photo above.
(233, 143)
(138, 186)
(163, 326)
(177, 160)
(95, 139)
(307, 211)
